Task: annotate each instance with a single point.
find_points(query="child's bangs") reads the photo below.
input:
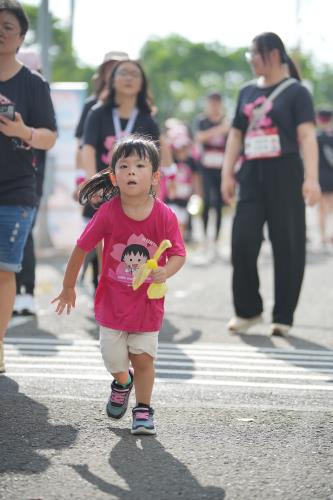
(133, 148)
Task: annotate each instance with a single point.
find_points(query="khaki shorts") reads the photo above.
(117, 345)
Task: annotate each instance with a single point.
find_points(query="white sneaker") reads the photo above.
(279, 329)
(2, 361)
(241, 325)
(25, 304)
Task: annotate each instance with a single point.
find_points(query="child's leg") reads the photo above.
(143, 350)
(144, 370)
(115, 356)
(114, 350)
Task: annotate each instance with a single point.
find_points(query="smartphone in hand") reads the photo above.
(8, 110)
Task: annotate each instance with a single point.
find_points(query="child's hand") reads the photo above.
(159, 275)
(66, 300)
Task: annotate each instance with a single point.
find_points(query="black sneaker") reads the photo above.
(117, 405)
(143, 420)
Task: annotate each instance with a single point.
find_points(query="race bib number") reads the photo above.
(263, 143)
(213, 159)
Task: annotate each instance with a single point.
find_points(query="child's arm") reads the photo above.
(161, 274)
(67, 296)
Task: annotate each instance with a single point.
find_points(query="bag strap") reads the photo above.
(280, 88)
(260, 111)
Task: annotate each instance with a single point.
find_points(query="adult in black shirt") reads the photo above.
(127, 110)
(272, 184)
(32, 126)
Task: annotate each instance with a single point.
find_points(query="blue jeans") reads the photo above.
(15, 225)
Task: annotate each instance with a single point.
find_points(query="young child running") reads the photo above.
(132, 223)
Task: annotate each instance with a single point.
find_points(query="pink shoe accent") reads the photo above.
(118, 397)
(142, 415)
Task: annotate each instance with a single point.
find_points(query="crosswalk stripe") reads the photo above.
(192, 380)
(268, 365)
(205, 373)
(89, 355)
(22, 341)
(200, 364)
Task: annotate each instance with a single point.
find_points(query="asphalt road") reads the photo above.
(238, 417)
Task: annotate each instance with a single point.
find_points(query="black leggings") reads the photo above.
(270, 191)
(212, 197)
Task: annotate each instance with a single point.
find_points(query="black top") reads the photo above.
(99, 132)
(289, 109)
(31, 95)
(212, 151)
(88, 104)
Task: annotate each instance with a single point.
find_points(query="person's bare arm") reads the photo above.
(66, 299)
(161, 274)
(306, 134)
(39, 138)
(232, 152)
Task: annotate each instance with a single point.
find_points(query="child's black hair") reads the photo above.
(101, 184)
(135, 249)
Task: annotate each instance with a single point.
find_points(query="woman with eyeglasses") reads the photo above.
(274, 128)
(127, 110)
(27, 121)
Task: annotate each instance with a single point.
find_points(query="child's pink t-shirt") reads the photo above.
(127, 244)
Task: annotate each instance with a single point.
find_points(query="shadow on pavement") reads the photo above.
(149, 471)
(257, 340)
(263, 341)
(25, 430)
(168, 334)
(27, 327)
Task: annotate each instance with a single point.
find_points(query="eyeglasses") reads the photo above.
(124, 73)
(8, 30)
(250, 54)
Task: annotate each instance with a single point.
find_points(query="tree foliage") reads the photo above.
(65, 64)
(181, 73)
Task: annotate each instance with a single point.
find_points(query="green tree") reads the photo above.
(65, 64)
(181, 73)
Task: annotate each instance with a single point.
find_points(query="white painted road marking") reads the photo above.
(200, 364)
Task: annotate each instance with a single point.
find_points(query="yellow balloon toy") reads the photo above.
(155, 290)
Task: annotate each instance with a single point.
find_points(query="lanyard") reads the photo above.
(130, 124)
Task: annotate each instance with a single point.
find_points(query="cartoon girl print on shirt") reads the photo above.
(256, 116)
(131, 257)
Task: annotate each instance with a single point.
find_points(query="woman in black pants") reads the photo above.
(273, 120)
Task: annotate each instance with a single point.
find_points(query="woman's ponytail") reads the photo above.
(293, 71)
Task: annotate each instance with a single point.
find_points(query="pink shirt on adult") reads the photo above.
(127, 245)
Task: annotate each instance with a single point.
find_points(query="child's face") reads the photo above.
(134, 176)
